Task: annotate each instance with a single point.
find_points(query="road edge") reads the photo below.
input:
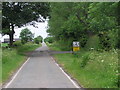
(15, 74)
(74, 82)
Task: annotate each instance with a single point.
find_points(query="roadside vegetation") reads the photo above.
(52, 44)
(38, 39)
(96, 26)
(0, 66)
(12, 58)
(91, 68)
(20, 15)
(4, 44)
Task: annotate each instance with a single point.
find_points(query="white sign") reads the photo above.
(76, 44)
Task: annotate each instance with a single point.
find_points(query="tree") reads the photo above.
(80, 21)
(26, 35)
(104, 23)
(38, 39)
(69, 22)
(20, 14)
(49, 39)
(105, 19)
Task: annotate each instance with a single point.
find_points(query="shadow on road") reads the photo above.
(45, 53)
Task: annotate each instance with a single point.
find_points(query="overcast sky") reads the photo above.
(41, 30)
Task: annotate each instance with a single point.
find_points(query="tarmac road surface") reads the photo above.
(40, 71)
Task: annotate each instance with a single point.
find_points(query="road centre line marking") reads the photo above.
(17, 73)
(66, 74)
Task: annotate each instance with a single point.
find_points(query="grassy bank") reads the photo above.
(92, 69)
(13, 58)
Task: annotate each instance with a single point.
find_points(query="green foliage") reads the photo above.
(67, 24)
(49, 39)
(118, 39)
(113, 34)
(20, 14)
(65, 46)
(4, 45)
(96, 26)
(26, 35)
(100, 70)
(17, 43)
(105, 19)
(38, 40)
(29, 46)
(83, 40)
(0, 65)
(104, 41)
(93, 43)
(13, 58)
(85, 60)
(53, 46)
(104, 23)
(80, 21)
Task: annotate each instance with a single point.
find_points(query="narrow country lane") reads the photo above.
(40, 71)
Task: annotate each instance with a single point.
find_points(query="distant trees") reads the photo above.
(26, 35)
(38, 39)
(20, 14)
(79, 21)
(49, 39)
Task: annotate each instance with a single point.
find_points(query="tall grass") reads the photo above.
(100, 70)
(10, 61)
(91, 68)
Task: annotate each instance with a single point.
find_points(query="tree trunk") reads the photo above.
(11, 39)
(11, 36)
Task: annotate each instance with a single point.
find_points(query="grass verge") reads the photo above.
(100, 71)
(92, 69)
(4, 44)
(0, 65)
(13, 58)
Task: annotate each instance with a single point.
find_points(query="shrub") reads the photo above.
(92, 43)
(4, 45)
(85, 60)
(104, 41)
(65, 45)
(26, 47)
(49, 39)
(38, 40)
(113, 34)
(17, 43)
(83, 40)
